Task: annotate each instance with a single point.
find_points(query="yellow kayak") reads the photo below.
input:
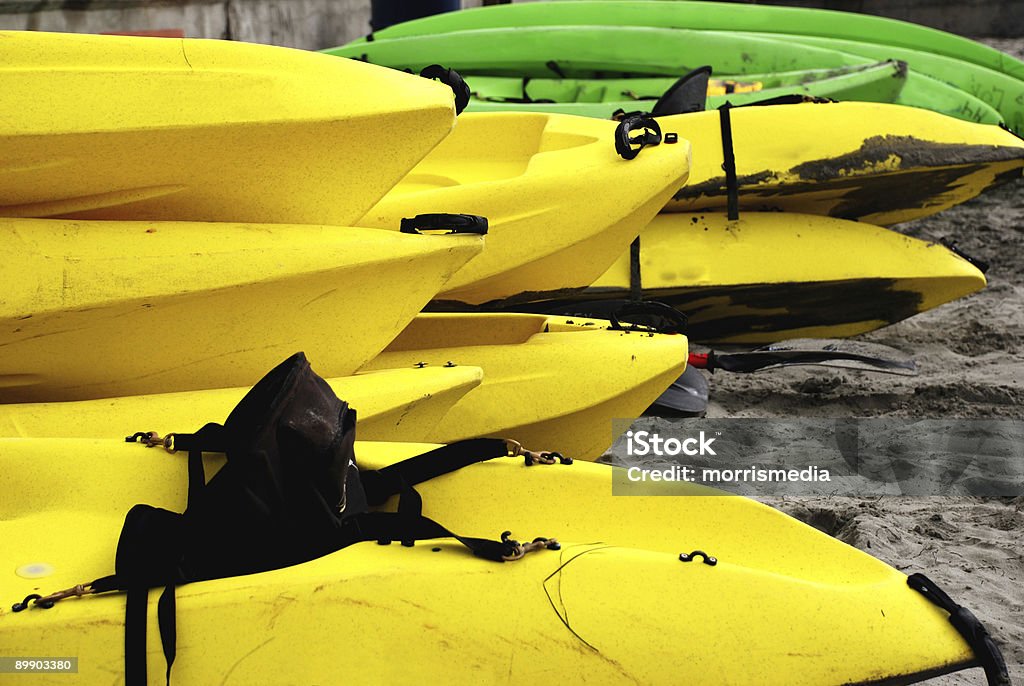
(560, 203)
(549, 381)
(98, 309)
(411, 400)
(116, 127)
(877, 163)
(771, 276)
(615, 604)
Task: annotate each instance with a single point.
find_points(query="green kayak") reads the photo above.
(721, 17)
(595, 52)
(1004, 93)
(881, 82)
(652, 87)
(985, 73)
(606, 51)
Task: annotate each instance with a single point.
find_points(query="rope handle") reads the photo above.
(48, 601)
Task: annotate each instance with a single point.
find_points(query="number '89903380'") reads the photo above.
(38, 664)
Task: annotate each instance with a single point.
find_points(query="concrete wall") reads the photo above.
(315, 24)
(310, 24)
(976, 18)
(1002, 18)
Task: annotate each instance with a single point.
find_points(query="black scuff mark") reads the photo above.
(926, 170)
(912, 152)
(1006, 176)
(563, 615)
(852, 197)
(720, 313)
(185, 56)
(227, 675)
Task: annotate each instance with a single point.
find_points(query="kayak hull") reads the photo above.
(132, 128)
(876, 163)
(541, 385)
(880, 82)
(412, 400)
(99, 309)
(976, 68)
(768, 277)
(624, 607)
(526, 174)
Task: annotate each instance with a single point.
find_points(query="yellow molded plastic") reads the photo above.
(560, 202)
(385, 401)
(551, 383)
(116, 127)
(785, 604)
(98, 309)
(877, 163)
(770, 276)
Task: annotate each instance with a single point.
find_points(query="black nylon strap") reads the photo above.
(105, 583)
(196, 477)
(385, 527)
(383, 483)
(135, 637)
(406, 525)
(968, 626)
(212, 438)
(729, 162)
(165, 614)
(636, 288)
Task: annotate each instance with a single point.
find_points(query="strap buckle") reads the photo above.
(151, 439)
(532, 457)
(518, 551)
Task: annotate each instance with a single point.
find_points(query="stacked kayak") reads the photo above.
(544, 381)
(879, 156)
(411, 400)
(548, 381)
(847, 617)
(875, 163)
(527, 173)
(114, 127)
(97, 309)
(702, 15)
(872, 142)
(994, 78)
(603, 98)
(772, 275)
(588, 52)
(216, 207)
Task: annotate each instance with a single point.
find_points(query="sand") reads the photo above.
(971, 359)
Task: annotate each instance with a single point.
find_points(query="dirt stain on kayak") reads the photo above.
(886, 173)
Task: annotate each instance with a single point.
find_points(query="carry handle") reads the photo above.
(445, 223)
(453, 80)
(673, 320)
(649, 133)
